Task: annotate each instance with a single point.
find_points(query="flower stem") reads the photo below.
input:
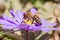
(27, 37)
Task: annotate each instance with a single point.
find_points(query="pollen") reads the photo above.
(28, 22)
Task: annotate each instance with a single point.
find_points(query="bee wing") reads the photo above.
(33, 10)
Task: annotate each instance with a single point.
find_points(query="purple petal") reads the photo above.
(33, 10)
(31, 27)
(23, 27)
(9, 27)
(37, 28)
(34, 28)
(20, 15)
(46, 29)
(16, 17)
(52, 24)
(11, 22)
(44, 22)
(5, 22)
(1, 17)
(9, 19)
(11, 11)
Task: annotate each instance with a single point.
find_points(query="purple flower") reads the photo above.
(15, 22)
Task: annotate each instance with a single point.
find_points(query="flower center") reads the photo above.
(28, 22)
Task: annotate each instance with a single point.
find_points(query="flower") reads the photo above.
(15, 22)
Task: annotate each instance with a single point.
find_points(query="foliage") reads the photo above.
(6, 37)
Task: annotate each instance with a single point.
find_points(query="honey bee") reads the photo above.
(31, 19)
(37, 20)
(28, 18)
(28, 15)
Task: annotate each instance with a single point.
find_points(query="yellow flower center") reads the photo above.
(28, 22)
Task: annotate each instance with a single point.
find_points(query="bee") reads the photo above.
(28, 18)
(31, 19)
(28, 15)
(37, 20)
